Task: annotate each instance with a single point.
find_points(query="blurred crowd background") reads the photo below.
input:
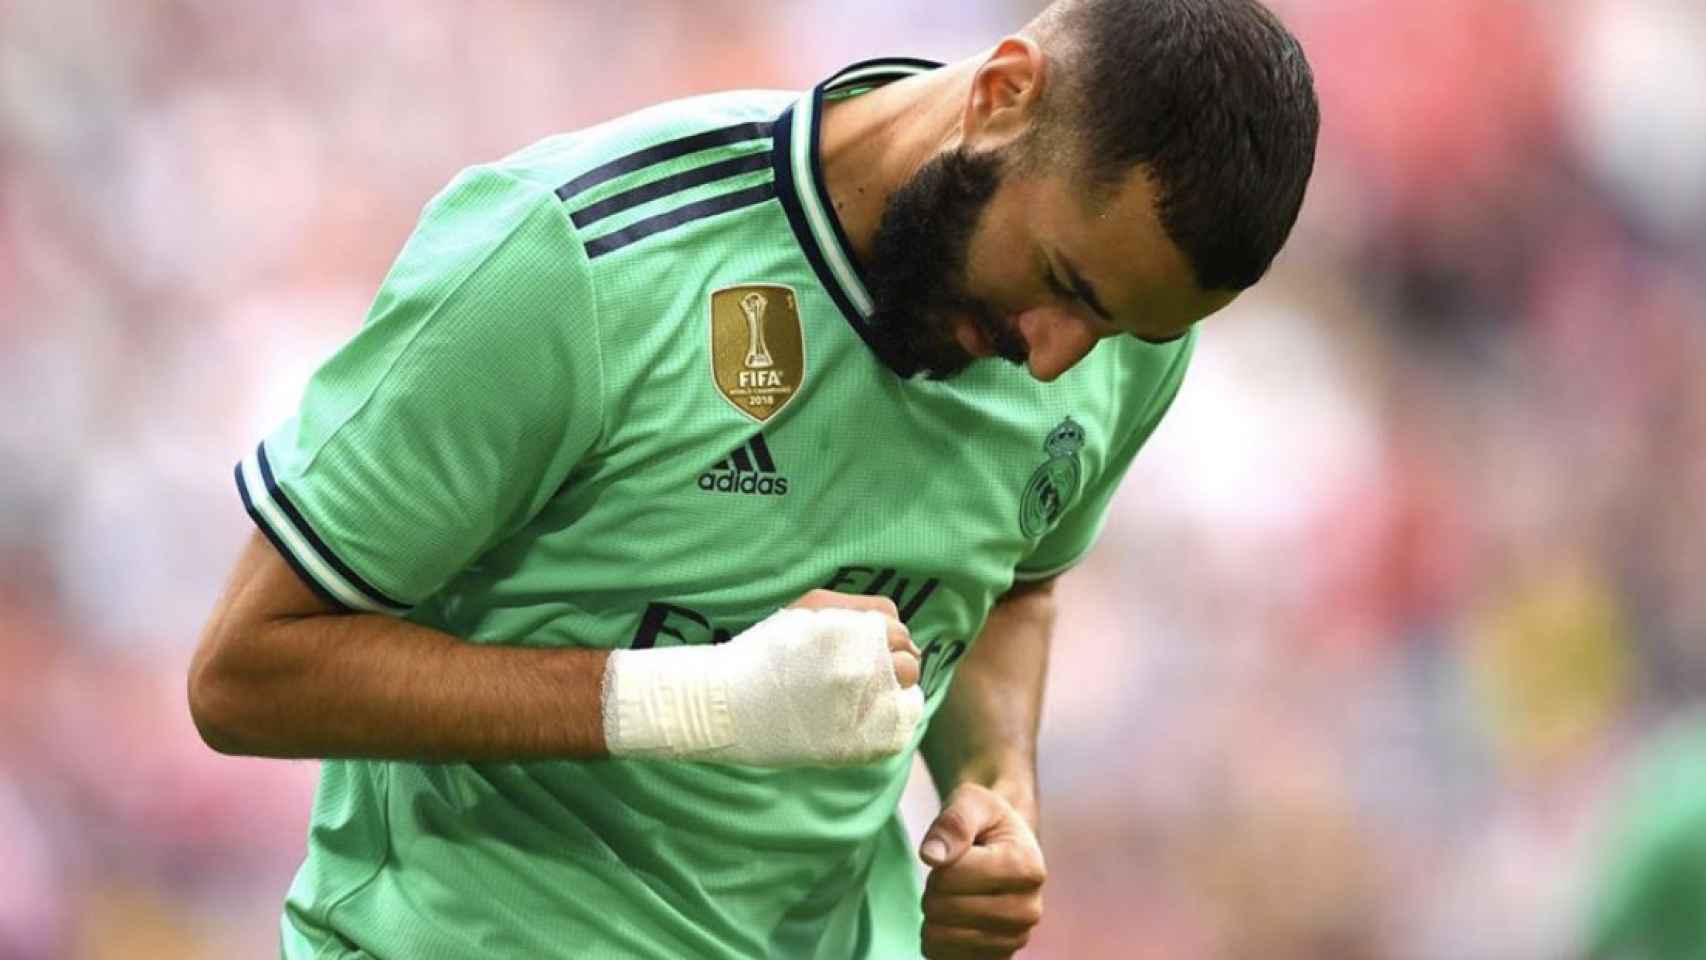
(1384, 617)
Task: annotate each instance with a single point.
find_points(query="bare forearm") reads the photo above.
(362, 685)
(279, 673)
(986, 730)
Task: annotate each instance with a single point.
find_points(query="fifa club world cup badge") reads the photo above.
(1054, 484)
(758, 351)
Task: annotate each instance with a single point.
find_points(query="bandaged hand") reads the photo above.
(831, 680)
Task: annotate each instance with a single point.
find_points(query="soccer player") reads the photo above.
(693, 470)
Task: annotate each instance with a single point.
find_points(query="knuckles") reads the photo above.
(822, 599)
(816, 599)
(886, 606)
(1033, 875)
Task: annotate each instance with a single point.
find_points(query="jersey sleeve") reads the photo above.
(453, 415)
(1062, 547)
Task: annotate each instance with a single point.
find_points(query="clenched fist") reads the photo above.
(984, 893)
(831, 680)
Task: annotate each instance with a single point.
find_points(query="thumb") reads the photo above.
(955, 829)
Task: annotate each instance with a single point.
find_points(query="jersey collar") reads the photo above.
(800, 186)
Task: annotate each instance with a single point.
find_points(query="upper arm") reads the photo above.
(452, 417)
(448, 420)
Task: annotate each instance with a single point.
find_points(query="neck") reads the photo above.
(873, 143)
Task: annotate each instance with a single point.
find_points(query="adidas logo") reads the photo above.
(748, 469)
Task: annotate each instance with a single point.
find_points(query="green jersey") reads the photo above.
(1648, 896)
(615, 392)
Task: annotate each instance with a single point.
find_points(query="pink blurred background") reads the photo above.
(1383, 614)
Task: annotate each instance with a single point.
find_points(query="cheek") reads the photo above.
(1000, 266)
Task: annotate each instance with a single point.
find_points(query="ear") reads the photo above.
(1006, 93)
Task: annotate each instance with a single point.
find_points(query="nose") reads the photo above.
(1057, 340)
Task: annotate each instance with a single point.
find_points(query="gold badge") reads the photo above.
(758, 351)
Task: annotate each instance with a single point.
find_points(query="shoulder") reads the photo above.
(1159, 367)
(531, 204)
(613, 183)
(569, 170)
(1138, 380)
(586, 163)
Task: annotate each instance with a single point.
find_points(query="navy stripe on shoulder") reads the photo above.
(283, 551)
(647, 192)
(687, 213)
(302, 527)
(658, 153)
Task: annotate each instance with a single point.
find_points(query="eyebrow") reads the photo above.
(1083, 288)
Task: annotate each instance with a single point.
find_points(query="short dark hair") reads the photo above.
(1213, 97)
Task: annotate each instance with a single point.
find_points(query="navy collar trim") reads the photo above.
(804, 196)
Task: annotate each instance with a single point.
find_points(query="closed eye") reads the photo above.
(1060, 289)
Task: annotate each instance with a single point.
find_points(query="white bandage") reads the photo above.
(801, 688)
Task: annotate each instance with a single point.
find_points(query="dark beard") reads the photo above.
(917, 268)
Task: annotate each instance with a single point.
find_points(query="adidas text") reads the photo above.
(740, 481)
(749, 468)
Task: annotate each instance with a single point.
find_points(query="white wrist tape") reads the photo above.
(801, 688)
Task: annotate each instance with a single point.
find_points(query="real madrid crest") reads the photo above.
(758, 351)
(1054, 484)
